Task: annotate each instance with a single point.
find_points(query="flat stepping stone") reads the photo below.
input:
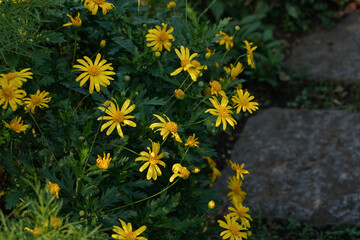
(330, 55)
(304, 164)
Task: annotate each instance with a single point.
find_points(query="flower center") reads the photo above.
(162, 37)
(35, 100)
(233, 229)
(10, 76)
(171, 126)
(223, 112)
(9, 93)
(236, 190)
(94, 70)
(184, 172)
(16, 127)
(184, 63)
(118, 117)
(240, 212)
(243, 102)
(226, 39)
(153, 159)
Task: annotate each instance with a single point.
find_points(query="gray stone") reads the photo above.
(332, 55)
(304, 164)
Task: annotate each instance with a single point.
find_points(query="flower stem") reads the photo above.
(71, 73)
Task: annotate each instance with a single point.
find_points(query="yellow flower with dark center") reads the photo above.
(17, 125)
(249, 54)
(179, 171)
(223, 111)
(17, 78)
(185, 62)
(239, 169)
(10, 95)
(93, 6)
(179, 94)
(54, 189)
(152, 159)
(234, 229)
(159, 38)
(216, 89)
(38, 99)
(236, 192)
(103, 162)
(166, 127)
(239, 211)
(117, 117)
(192, 141)
(209, 53)
(74, 22)
(225, 39)
(171, 5)
(243, 101)
(98, 72)
(125, 232)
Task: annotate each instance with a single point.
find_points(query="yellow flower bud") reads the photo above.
(103, 43)
(179, 94)
(171, 5)
(157, 54)
(211, 204)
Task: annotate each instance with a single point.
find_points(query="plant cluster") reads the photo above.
(113, 106)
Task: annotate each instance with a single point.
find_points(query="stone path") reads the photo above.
(305, 164)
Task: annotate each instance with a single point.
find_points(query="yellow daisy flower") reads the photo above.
(234, 71)
(17, 125)
(239, 169)
(54, 189)
(74, 22)
(185, 62)
(171, 5)
(216, 89)
(243, 101)
(209, 53)
(38, 99)
(239, 211)
(166, 127)
(236, 192)
(152, 159)
(179, 94)
(225, 39)
(103, 162)
(10, 95)
(17, 78)
(98, 72)
(234, 229)
(250, 55)
(125, 232)
(192, 141)
(117, 117)
(93, 6)
(222, 111)
(159, 38)
(179, 171)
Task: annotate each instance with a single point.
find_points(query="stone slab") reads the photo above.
(304, 164)
(329, 55)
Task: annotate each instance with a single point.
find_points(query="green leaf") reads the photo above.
(13, 198)
(291, 10)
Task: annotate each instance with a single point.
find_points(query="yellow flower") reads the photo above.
(222, 111)
(171, 5)
(239, 169)
(179, 171)
(235, 71)
(239, 211)
(93, 6)
(103, 162)
(17, 125)
(56, 222)
(38, 99)
(166, 128)
(10, 95)
(234, 185)
(209, 53)
(234, 229)
(17, 78)
(75, 22)
(125, 232)
(215, 172)
(216, 89)
(250, 55)
(54, 189)
(103, 43)
(157, 54)
(159, 38)
(243, 101)
(196, 170)
(117, 117)
(211, 204)
(186, 63)
(225, 39)
(179, 94)
(98, 72)
(192, 141)
(35, 231)
(152, 159)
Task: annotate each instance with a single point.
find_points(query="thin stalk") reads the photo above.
(73, 62)
(203, 120)
(206, 9)
(130, 150)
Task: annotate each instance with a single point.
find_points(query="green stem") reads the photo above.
(188, 86)
(73, 62)
(187, 149)
(203, 120)
(207, 9)
(239, 58)
(130, 150)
